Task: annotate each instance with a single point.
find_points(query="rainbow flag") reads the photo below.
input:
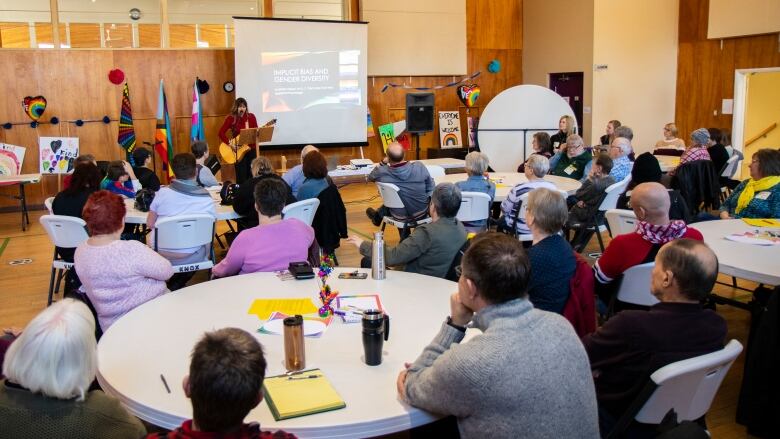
(163, 143)
(126, 137)
(196, 133)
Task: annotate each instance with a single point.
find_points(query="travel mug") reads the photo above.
(294, 348)
(376, 329)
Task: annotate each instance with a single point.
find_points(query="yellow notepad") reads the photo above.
(264, 307)
(302, 394)
(762, 222)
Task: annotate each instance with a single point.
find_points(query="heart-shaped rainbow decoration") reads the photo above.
(468, 94)
(34, 106)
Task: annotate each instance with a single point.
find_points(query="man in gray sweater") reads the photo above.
(526, 374)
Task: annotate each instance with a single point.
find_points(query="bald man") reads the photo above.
(413, 180)
(650, 202)
(633, 344)
(621, 164)
(294, 177)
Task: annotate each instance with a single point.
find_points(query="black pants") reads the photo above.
(244, 167)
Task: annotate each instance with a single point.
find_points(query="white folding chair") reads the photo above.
(621, 221)
(474, 206)
(611, 195)
(302, 210)
(392, 200)
(730, 168)
(186, 231)
(48, 203)
(435, 171)
(64, 232)
(635, 286)
(687, 387)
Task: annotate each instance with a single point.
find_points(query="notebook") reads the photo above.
(301, 394)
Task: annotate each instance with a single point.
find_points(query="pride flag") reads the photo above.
(196, 133)
(163, 143)
(126, 137)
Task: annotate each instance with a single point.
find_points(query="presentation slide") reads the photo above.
(308, 75)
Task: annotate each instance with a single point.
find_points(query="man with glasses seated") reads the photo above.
(573, 162)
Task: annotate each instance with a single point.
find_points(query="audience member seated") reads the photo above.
(315, 173)
(633, 344)
(244, 202)
(700, 139)
(48, 370)
(552, 259)
(294, 177)
(143, 159)
(181, 197)
(717, 151)
(586, 201)
(541, 145)
(536, 168)
(431, 248)
(759, 195)
(413, 180)
(670, 143)
(621, 164)
(203, 176)
(224, 384)
(625, 132)
(646, 169)
(120, 179)
(116, 275)
(477, 165)
(80, 160)
(650, 202)
(526, 373)
(573, 161)
(566, 127)
(274, 243)
(609, 136)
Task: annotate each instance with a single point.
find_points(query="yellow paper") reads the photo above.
(301, 395)
(762, 222)
(263, 308)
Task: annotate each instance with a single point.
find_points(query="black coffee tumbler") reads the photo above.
(376, 329)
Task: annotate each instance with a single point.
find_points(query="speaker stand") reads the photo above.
(416, 144)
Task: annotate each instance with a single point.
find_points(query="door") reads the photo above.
(570, 85)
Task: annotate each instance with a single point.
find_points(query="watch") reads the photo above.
(458, 327)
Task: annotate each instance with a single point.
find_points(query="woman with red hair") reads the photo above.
(117, 275)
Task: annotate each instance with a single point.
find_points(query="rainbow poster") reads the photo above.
(449, 129)
(11, 159)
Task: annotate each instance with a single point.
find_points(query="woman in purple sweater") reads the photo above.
(273, 244)
(117, 275)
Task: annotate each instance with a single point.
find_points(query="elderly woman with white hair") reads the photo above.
(48, 370)
(476, 168)
(700, 140)
(536, 168)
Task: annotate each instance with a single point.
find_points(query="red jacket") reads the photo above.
(580, 309)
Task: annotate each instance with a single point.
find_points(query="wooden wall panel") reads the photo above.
(705, 68)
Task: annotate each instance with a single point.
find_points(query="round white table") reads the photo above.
(505, 181)
(757, 263)
(135, 216)
(668, 162)
(158, 337)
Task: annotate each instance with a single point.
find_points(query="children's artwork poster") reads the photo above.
(386, 135)
(394, 132)
(58, 154)
(369, 125)
(449, 129)
(473, 123)
(11, 159)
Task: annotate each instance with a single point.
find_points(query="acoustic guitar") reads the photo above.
(231, 152)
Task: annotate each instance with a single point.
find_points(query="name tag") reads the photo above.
(556, 145)
(763, 195)
(570, 169)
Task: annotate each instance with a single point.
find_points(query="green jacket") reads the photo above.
(579, 163)
(429, 250)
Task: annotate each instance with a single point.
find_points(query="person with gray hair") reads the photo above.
(552, 258)
(476, 168)
(621, 164)
(510, 221)
(294, 177)
(700, 140)
(204, 177)
(432, 247)
(573, 160)
(48, 370)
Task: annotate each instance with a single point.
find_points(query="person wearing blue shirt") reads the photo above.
(315, 172)
(476, 165)
(621, 164)
(294, 177)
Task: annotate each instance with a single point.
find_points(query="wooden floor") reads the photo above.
(23, 288)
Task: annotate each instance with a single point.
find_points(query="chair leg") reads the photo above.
(598, 235)
(51, 285)
(734, 281)
(60, 275)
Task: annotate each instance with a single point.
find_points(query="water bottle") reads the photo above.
(378, 257)
(376, 330)
(294, 347)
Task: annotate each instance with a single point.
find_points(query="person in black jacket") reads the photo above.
(566, 127)
(647, 169)
(718, 153)
(148, 179)
(244, 202)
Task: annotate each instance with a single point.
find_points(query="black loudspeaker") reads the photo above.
(419, 112)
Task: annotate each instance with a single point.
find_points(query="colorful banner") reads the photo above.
(473, 123)
(436, 87)
(196, 132)
(449, 129)
(369, 125)
(58, 154)
(163, 143)
(126, 137)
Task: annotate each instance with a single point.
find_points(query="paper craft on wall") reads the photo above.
(58, 154)
(394, 132)
(11, 159)
(369, 125)
(473, 123)
(449, 129)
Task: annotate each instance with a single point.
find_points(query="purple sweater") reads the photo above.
(120, 276)
(268, 247)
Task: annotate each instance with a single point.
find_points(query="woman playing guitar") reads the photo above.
(238, 119)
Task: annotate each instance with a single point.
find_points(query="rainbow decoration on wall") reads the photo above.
(34, 106)
(450, 139)
(468, 94)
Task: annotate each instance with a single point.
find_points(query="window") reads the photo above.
(313, 10)
(25, 24)
(104, 23)
(207, 23)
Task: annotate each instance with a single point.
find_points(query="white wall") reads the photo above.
(637, 39)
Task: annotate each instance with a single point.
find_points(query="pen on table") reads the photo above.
(165, 383)
(304, 377)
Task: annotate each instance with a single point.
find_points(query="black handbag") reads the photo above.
(228, 193)
(143, 199)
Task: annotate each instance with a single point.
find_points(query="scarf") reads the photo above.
(186, 188)
(661, 234)
(754, 186)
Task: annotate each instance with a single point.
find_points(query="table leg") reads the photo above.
(23, 202)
